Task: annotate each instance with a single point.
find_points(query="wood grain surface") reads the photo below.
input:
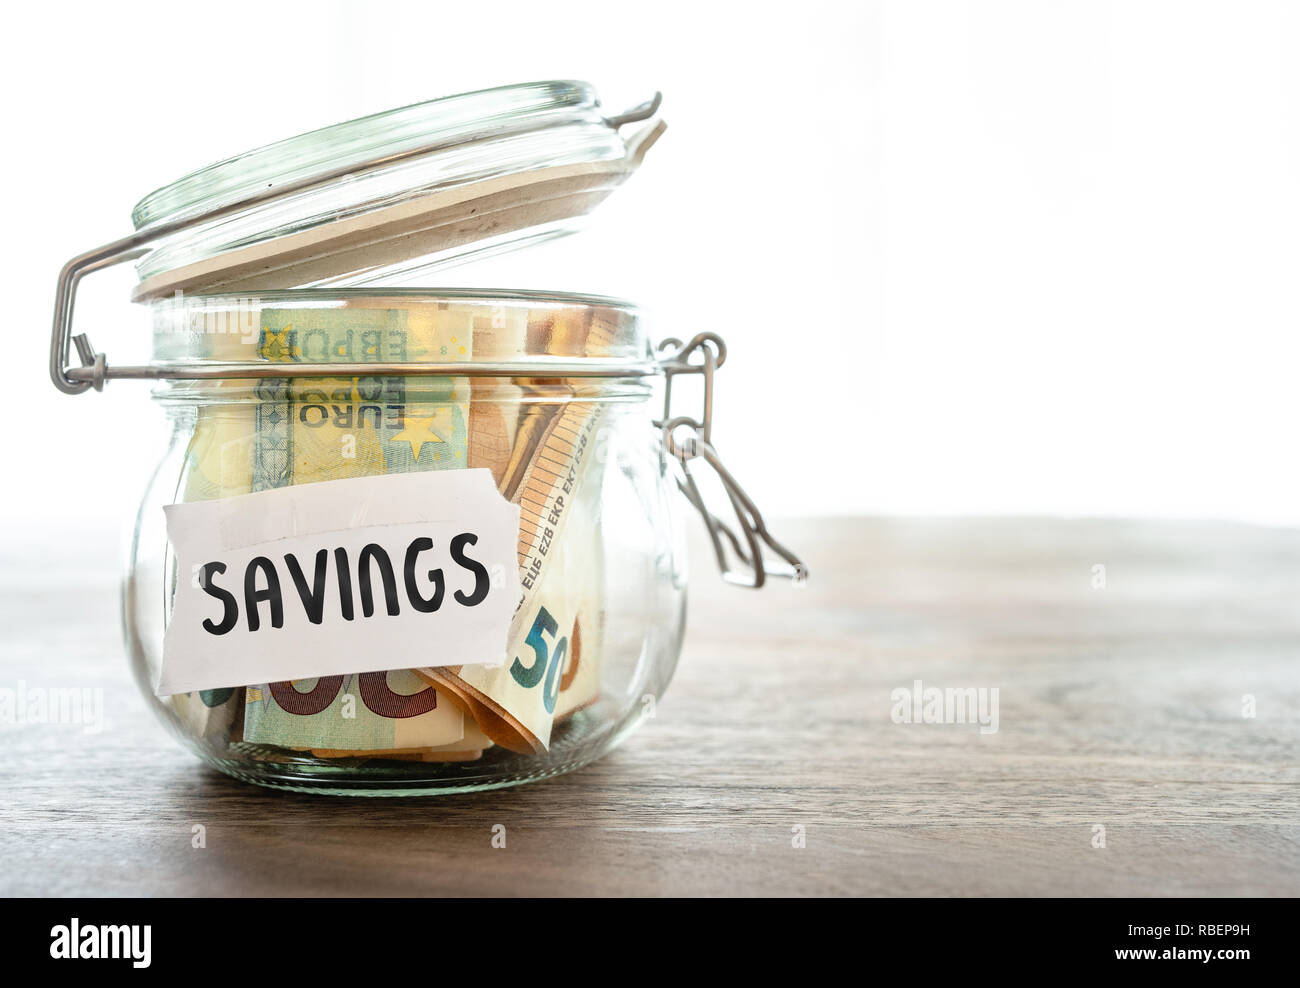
(1119, 708)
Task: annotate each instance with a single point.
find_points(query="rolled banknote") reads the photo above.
(516, 703)
(584, 570)
(494, 403)
(553, 669)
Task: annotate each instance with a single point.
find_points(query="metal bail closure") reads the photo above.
(753, 569)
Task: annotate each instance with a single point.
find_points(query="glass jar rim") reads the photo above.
(414, 293)
(278, 333)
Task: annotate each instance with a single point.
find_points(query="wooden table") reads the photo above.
(1119, 707)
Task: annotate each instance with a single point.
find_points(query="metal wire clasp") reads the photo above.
(704, 355)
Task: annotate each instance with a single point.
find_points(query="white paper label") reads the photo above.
(345, 576)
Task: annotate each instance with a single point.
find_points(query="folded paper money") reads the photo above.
(536, 437)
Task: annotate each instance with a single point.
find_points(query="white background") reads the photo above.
(993, 257)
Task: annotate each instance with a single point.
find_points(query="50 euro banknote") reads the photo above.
(555, 639)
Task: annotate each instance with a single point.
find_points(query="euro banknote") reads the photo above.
(560, 590)
(366, 712)
(302, 430)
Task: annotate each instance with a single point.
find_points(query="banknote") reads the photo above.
(367, 712)
(468, 748)
(498, 334)
(553, 668)
(561, 584)
(585, 571)
(302, 430)
(209, 714)
(309, 429)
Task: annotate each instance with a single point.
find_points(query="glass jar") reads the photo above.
(615, 584)
(406, 540)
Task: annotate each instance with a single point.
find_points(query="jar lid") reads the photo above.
(360, 203)
(407, 189)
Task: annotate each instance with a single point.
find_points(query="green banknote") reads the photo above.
(366, 712)
(302, 430)
(209, 714)
(310, 429)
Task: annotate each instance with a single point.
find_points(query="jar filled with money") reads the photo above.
(404, 539)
